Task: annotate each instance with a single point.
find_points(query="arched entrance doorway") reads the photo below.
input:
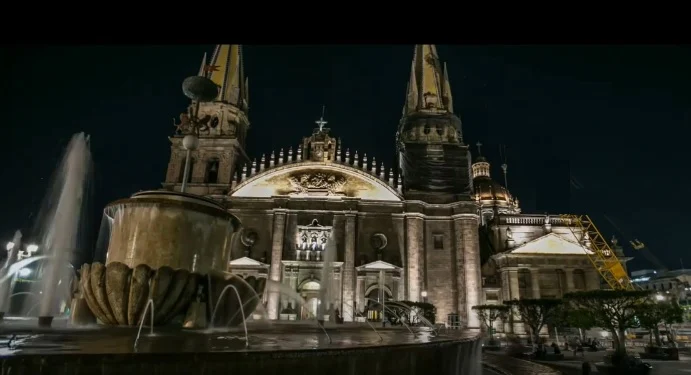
(310, 293)
(375, 300)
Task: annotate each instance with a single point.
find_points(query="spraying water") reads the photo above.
(326, 294)
(62, 218)
(6, 283)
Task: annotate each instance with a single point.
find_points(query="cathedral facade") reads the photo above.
(420, 231)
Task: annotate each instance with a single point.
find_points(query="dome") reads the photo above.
(488, 190)
(489, 193)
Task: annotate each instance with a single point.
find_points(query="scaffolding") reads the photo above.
(599, 252)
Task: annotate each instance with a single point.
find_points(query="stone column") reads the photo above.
(467, 224)
(415, 243)
(535, 282)
(360, 294)
(570, 286)
(276, 255)
(349, 268)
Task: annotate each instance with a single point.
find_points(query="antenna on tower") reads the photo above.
(504, 166)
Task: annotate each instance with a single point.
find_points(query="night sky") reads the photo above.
(616, 118)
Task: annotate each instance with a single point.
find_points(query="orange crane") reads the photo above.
(599, 252)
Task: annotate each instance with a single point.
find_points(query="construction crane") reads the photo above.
(600, 253)
(640, 246)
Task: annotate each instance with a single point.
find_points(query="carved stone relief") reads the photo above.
(319, 182)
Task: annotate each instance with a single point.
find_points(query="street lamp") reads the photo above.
(424, 295)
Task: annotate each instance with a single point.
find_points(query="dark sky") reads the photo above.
(615, 117)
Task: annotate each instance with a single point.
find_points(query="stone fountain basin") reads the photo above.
(275, 348)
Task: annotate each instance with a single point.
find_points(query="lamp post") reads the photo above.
(199, 89)
(424, 296)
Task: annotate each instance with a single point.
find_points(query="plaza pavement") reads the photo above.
(572, 365)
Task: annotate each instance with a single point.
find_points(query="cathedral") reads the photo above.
(436, 227)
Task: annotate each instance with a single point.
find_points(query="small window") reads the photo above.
(438, 241)
(212, 171)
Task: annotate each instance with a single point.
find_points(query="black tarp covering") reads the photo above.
(436, 168)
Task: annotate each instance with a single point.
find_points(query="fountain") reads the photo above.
(167, 259)
(6, 283)
(62, 225)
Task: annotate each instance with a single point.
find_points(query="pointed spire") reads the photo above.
(448, 99)
(428, 88)
(203, 69)
(226, 70)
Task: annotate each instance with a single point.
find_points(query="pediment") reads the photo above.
(246, 262)
(316, 180)
(551, 244)
(378, 265)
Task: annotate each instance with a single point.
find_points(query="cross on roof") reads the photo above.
(479, 148)
(321, 121)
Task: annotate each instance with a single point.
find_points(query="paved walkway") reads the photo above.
(680, 367)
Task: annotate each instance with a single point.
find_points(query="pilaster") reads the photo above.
(399, 227)
(276, 254)
(226, 166)
(349, 268)
(468, 224)
(415, 243)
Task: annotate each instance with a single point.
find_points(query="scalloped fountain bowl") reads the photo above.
(117, 294)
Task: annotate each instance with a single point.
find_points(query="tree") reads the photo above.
(570, 316)
(671, 313)
(650, 316)
(489, 314)
(613, 310)
(535, 313)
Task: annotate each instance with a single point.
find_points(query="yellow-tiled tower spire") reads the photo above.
(226, 70)
(429, 88)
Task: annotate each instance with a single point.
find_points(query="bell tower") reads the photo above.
(433, 160)
(222, 128)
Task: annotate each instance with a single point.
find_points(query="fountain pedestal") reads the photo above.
(196, 315)
(45, 321)
(80, 313)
